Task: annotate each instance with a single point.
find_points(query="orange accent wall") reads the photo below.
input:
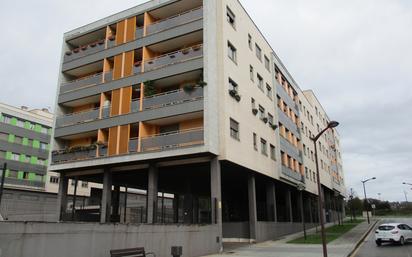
(130, 29)
(120, 32)
(148, 19)
(112, 145)
(80, 142)
(191, 124)
(83, 108)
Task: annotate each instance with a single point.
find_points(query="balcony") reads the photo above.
(153, 102)
(174, 21)
(160, 142)
(85, 82)
(149, 65)
(24, 182)
(173, 58)
(84, 50)
(292, 174)
(288, 147)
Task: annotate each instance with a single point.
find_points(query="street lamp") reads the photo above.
(366, 200)
(300, 188)
(332, 124)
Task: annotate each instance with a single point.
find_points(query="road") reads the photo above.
(369, 248)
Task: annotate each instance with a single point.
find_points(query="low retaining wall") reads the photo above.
(274, 230)
(35, 239)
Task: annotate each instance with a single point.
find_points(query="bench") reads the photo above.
(130, 252)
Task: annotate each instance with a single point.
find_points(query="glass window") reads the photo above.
(41, 161)
(267, 63)
(261, 112)
(260, 81)
(255, 146)
(258, 52)
(231, 18)
(252, 73)
(250, 42)
(231, 51)
(85, 184)
(269, 91)
(18, 140)
(253, 103)
(273, 152)
(7, 119)
(43, 146)
(15, 156)
(44, 130)
(20, 123)
(232, 85)
(234, 129)
(263, 146)
(54, 179)
(270, 119)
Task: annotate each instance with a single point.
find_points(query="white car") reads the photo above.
(393, 233)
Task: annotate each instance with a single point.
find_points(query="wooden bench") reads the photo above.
(130, 252)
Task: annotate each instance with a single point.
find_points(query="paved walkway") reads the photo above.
(341, 247)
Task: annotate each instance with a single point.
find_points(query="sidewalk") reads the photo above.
(341, 247)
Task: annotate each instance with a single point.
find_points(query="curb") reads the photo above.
(360, 241)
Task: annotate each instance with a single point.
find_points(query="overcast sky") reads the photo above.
(355, 55)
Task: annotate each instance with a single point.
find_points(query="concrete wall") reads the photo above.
(20, 205)
(273, 230)
(18, 239)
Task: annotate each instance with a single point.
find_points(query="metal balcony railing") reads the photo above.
(94, 79)
(153, 102)
(84, 50)
(177, 139)
(24, 182)
(80, 117)
(292, 174)
(173, 58)
(174, 21)
(160, 142)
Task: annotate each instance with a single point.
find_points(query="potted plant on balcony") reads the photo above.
(100, 42)
(84, 47)
(185, 51)
(265, 119)
(196, 47)
(254, 111)
(76, 50)
(202, 83)
(238, 97)
(273, 126)
(149, 88)
(232, 92)
(68, 53)
(188, 88)
(93, 44)
(112, 37)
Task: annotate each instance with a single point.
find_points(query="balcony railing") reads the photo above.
(172, 140)
(173, 58)
(292, 174)
(84, 50)
(160, 142)
(92, 80)
(24, 182)
(153, 102)
(80, 117)
(175, 21)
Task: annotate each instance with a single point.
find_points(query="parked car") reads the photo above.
(393, 233)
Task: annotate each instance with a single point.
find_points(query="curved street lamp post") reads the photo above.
(332, 124)
(366, 199)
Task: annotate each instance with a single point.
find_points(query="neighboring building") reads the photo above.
(187, 99)
(30, 190)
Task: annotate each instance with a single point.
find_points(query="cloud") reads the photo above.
(354, 54)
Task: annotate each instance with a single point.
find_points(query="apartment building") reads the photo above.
(186, 101)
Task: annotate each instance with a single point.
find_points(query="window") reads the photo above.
(231, 18)
(231, 51)
(269, 91)
(263, 147)
(41, 162)
(258, 52)
(260, 81)
(15, 156)
(12, 174)
(44, 130)
(270, 119)
(267, 63)
(85, 184)
(43, 146)
(252, 73)
(250, 42)
(306, 173)
(253, 103)
(232, 85)
(73, 182)
(18, 140)
(7, 119)
(261, 112)
(54, 180)
(20, 123)
(273, 152)
(255, 141)
(234, 129)
(25, 175)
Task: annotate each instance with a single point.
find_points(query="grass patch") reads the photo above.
(332, 233)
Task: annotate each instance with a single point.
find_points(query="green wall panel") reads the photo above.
(32, 176)
(8, 155)
(11, 138)
(37, 128)
(13, 121)
(27, 125)
(20, 174)
(25, 141)
(22, 157)
(36, 144)
(33, 160)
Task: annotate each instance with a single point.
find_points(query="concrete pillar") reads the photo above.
(62, 197)
(288, 196)
(116, 204)
(152, 194)
(105, 210)
(310, 209)
(216, 198)
(252, 207)
(176, 208)
(271, 201)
